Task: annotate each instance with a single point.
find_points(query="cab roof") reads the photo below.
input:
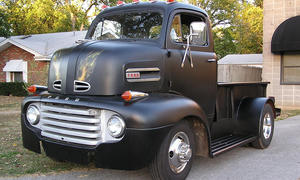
(167, 7)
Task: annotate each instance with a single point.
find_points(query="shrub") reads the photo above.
(13, 88)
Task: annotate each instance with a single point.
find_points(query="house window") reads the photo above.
(16, 71)
(290, 68)
(16, 76)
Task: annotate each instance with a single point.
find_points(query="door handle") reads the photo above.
(211, 60)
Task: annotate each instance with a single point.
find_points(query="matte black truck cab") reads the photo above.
(142, 90)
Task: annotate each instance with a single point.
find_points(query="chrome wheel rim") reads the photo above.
(267, 126)
(180, 152)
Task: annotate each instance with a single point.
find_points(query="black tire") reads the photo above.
(159, 167)
(262, 142)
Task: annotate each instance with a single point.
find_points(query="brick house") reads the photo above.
(281, 51)
(26, 58)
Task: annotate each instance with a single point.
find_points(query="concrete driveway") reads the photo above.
(280, 161)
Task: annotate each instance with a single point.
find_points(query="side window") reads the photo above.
(185, 24)
(175, 32)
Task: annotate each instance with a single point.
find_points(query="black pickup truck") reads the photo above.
(141, 90)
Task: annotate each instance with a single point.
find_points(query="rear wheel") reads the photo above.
(173, 159)
(266, 128)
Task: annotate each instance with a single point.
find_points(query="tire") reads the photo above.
(160, 167)
(266, 124)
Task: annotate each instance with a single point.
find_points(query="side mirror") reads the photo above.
(198, 32)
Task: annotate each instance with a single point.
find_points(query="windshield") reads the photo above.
(138, 25)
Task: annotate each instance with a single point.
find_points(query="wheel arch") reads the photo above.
(250, 112)
(202, 135)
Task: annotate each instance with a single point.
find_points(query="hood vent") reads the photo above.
(57, 85)
(81, 86)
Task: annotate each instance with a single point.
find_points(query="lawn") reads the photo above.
(16, 160)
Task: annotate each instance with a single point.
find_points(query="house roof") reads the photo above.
(2, 39)
(44, 45)
(242, 59)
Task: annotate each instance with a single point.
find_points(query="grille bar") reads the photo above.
(70, 132)
(68, 117)
(70, 139)
(67, 110)
(71, 124)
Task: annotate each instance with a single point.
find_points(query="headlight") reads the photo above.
(115, 126)
(33, 114)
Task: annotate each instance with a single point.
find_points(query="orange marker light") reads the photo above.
(31, 89)
(127, 96)
(120, 3)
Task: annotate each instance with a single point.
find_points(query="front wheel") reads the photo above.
(266, 128)
(173, 159)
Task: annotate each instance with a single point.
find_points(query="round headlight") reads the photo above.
(115, 126)
(33, 115)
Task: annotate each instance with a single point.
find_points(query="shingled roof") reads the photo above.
(43, 45)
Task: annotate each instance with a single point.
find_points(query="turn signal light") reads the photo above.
(31, 89)
(120, 3)
(127, 96)
(104, 6)
(132, 95)
(170, 1)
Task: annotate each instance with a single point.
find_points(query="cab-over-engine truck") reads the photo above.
(142, 89)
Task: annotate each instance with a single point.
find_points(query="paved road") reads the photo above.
(280, 161)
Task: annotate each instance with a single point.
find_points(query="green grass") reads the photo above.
(15, 160)
(288, 113)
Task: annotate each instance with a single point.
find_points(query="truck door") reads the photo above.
(196, 77)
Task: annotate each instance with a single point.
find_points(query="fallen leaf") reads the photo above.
(83, 175)
(14, 144)
(18, 155)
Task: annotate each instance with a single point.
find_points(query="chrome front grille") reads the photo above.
(81, 86)
(57, 84)
(71, 124)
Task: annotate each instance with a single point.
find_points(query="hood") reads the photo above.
(106, 68)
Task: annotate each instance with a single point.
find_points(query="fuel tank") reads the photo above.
(107, 68)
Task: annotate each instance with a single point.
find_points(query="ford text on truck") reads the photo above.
(141, 90)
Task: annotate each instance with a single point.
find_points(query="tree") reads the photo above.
(42, 16)
(221, 12)
(248, 29)
(258, 3)
(237, 25)
(224, 41)
(4, 25)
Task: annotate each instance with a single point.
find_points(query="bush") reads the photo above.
(13, 88)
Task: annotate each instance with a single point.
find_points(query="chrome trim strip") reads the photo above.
(142, 69)
(144, 80)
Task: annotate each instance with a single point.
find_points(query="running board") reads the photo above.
(226, 143)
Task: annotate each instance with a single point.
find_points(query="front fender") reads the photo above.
(160, 110)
